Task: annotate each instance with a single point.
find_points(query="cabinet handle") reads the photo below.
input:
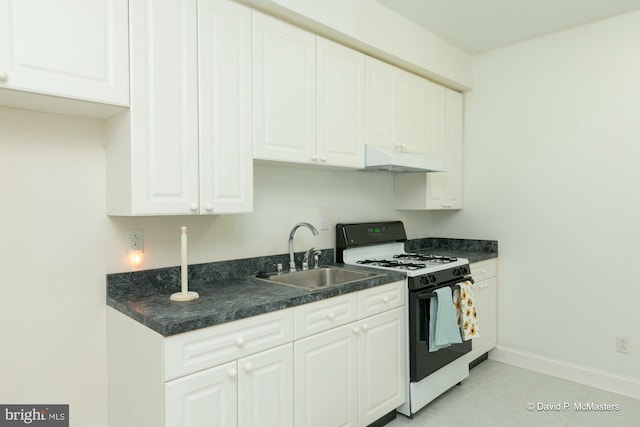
(233, 373)
(323, 159)
(331, 315)
(240, 341)
(248, 367)
(365, 326)
(314, 158)
(356, 330)
(3, 76)
(194, 207)
(385, 300)
(209, 207)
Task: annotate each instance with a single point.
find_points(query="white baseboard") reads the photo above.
(603, 380)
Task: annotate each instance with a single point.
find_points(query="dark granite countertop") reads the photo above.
(144, 296)
(229, 291)
(473, 250)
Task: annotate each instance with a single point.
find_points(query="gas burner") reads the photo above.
(437, 259)
(392, 264)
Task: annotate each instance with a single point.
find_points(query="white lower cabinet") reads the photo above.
(326, 378)
(353, 374)
(258, 372)
(265, 388)
(208, 398)
(485, 293)
(381, 362)
(254, 391)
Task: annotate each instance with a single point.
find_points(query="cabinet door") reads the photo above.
(224, 60)
(453, 140)
(381, 103)
(203, 399)
(284, 91)
(441, 190)
(326, 378)
(340, 105)
(381, 365)
(485, 294)
(265, 383)
(413, 113)
(74, 49)
(164, 107)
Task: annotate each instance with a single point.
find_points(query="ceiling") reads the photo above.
(477, 26)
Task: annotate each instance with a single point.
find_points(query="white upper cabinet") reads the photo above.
(69, 49)
(340, 104)
(308, 97)
(284, 91)
(440, 190)
(184, 145)
(226, 157)
(398, 108)
(382, 104)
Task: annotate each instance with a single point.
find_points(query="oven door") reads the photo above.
(423, 362)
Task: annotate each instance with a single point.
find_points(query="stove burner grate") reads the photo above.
(430, 258)
(393, 264)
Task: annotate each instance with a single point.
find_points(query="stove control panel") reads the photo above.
(437, 278)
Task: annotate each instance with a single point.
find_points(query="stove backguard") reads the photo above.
(366, 234)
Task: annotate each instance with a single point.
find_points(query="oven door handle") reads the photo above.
(428, 295)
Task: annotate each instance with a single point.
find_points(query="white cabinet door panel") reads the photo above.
(226, 158)
(381, 103)
(284, 91)
(265, 383)
(204, 399)
(326, 397)
(71, 48)
(381, 365)
(340, 104)
(164, 110)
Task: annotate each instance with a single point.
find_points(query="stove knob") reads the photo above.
(432, 278)
(456, 272)
(424, 280)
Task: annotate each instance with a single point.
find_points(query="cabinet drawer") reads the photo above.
(381, 298)
(323, 315)
(204, 348)
(483, 269)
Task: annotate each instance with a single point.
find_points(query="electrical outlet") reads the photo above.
(134, 240)
(622, 345)
(324, 221)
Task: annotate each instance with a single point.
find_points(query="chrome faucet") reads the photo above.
(316, 259)
(292, 263)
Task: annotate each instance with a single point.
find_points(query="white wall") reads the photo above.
(551, 149)
(54, 246)
(57, 245)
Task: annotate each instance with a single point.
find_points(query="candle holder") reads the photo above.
(184, 294)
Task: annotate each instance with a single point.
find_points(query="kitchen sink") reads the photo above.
(321, 278)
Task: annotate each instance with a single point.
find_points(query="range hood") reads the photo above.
(381, 158)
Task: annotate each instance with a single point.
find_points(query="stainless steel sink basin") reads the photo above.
(321, 278)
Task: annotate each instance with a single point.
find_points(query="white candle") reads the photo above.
(183, 267)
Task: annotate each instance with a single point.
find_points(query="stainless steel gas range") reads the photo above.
(381, 245)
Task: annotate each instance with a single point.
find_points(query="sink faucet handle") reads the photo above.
(316, 259)
(305, 260)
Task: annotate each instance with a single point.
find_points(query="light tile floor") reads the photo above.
(496, 394)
